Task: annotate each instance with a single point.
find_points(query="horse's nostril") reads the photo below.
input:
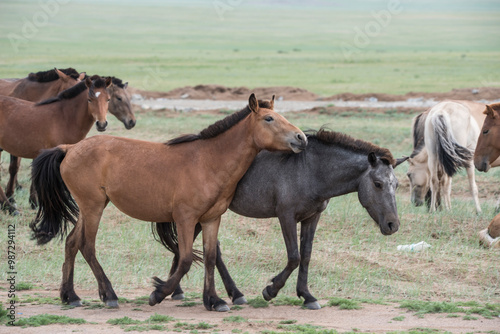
(391, 226)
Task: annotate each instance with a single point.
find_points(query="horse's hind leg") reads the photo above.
(67, 290)
(473, 187)
(15, 162)
(233, 292)
(289, 230)
(307, 230)
(90, 225)
(33, 198)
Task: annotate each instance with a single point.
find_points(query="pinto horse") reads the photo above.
(444, 139)
(26, 127)
(334, 164)
(119, 106)
(187, 180)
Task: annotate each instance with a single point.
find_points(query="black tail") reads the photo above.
(452, 155)
(166, 234)
(56, 206)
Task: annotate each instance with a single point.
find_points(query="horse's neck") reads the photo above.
(231, 153)
(75, 118)
(337, 171)
(36, 91)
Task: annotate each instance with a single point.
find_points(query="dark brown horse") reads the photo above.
(488, 143)
(41, 85)
(188, 180)
(119, 106)
(26, 127)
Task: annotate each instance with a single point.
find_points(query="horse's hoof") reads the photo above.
(75, 303)
(179, 296)
(112, 303)
(266, 294)
(152, 299)
(312, 305)
(240, 301)
(221, 308)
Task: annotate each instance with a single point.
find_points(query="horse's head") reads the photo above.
(488, 143)
(419, 176)
(98, 99)
(119, 105)
(377, 194)
(272, 131)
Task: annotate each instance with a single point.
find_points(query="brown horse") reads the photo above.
(188, 180)
(26, 127)
(488, 143)
(41, 85)
(119, 106)
(490, 237)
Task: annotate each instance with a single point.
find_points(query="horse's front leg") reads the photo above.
(289, 230)
(233, 292)
(15, 162)
(210, 299)
(185, 233)
(307, 230)
(473, 187)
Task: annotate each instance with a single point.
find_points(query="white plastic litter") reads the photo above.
(414, 247)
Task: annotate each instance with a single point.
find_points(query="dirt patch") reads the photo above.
(370, 318)
(218, 92)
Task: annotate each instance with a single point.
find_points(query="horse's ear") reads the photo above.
(253, 104)
(60, 74)
(108, 82)
(400, 161)
(489, 111)
(82, 76)
(272, 102)
(125, 85)
(88, 82)
(372, 159)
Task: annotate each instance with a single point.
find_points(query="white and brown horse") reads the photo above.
(444, 140)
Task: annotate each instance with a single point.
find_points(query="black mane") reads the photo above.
(51, 75)
(350, 143)
(218, 127)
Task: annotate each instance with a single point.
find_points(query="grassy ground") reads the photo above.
(351, 259)
(326, 47)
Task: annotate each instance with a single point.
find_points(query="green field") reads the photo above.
(351, 259)
(161, 45)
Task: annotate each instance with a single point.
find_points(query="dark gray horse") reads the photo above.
(333, 164)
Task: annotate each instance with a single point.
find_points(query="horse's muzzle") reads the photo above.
(130, 124)
(299, 144)
(482, 166)
(101, 126)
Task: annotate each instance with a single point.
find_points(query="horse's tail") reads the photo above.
(166, 234)
(452, 155)
(56, 206)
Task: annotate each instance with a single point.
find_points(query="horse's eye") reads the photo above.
(485, 132)
(269, 119)
(378, 184)
(109, 100)
(89, 100)
(118, 98)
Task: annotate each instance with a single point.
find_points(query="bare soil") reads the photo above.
(218, 92)
(371, 318)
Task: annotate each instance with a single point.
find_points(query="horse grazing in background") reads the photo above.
(119, 106)
(333, 164)
(444, 139)
(26, 127)
(187, 180)
(41, 85)
(490, 237)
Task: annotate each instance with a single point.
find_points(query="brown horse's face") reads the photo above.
(119, 105)
(418, 174)
(273, 132)
(488, 143)
(98, 100)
